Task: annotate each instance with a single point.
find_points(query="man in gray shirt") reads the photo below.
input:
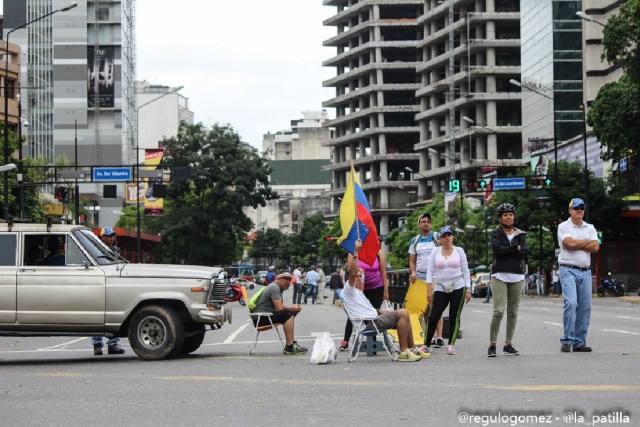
(270, 301)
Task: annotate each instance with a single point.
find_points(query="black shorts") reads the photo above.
(277, 317)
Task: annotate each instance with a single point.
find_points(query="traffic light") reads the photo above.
(62, 194)
(473, 185)
(454, 186)
(540, 182)
(600, 237)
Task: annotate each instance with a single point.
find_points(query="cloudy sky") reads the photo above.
(254, 64)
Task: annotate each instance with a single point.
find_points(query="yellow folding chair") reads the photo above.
(417, 305)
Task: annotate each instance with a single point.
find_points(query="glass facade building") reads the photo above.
(552, 67)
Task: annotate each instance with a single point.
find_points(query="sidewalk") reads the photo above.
(630, 299)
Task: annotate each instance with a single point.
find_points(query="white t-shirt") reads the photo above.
(446, 270)
(422, 250)
(578, 258)
(356, 304)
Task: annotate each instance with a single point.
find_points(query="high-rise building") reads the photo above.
(470, 116)
(375, 102)
(78, 83)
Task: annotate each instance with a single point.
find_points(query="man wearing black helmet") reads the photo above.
(509, 246)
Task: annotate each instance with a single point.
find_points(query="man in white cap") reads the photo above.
(271, 301)
(578, 240)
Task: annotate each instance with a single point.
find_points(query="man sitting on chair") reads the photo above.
(358, 306)
(271, 302)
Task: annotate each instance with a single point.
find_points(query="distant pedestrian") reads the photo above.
(322, 284)
(509, 245)
(311, 278)
(108, 237)
(297, 283)
(555, 279)
(578, 240)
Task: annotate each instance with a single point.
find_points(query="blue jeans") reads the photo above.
(576, 289)
(311, 290)
(97, 340)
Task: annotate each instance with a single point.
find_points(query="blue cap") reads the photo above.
(575, 202)
(444, 230)
(107, 231)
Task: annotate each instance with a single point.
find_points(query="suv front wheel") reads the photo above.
(156, 332)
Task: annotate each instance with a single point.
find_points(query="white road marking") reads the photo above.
(237, 332)
(628, 317)
(555, 324)
(479, 311)
(622, 332)
(62, 345)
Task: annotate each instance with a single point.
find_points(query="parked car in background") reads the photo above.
(481, 285)
(260, 276)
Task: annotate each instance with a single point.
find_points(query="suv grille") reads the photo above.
(217, 291)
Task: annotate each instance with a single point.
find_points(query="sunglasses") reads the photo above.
(579, 208)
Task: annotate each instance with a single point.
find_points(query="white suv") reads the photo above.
(83, 288)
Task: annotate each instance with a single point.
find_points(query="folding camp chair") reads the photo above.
(370, 335)
(257, 316)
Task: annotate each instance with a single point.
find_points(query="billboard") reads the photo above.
(101, 76)
(152, 206)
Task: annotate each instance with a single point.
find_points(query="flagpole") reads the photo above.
(355, 204)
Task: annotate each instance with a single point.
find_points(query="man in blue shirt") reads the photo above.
(312, 283)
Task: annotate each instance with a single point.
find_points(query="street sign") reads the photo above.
(623, 164)
(112, 174)
(514, 183)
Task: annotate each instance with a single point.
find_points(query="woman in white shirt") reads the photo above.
(448, 270)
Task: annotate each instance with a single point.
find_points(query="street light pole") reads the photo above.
(138, 219)
(555, 129)
(6, 101)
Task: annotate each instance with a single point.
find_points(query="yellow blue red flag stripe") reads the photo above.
(356, 221)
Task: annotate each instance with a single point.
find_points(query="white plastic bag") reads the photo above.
(324, 350)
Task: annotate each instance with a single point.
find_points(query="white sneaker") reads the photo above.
(408, 356)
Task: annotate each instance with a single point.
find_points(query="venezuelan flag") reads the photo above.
(356, 221)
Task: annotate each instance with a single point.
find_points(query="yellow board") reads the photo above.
(415, 302)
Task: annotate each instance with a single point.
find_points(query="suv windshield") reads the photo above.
(98, 250)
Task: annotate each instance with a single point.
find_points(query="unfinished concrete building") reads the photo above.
(376, 83)
(470, 114)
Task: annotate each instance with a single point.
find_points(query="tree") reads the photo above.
(203, 220)
(266, 244)
(614, 117)
(615, 113)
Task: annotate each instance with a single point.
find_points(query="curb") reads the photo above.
(631, 300)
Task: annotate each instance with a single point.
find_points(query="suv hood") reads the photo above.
(167, 270)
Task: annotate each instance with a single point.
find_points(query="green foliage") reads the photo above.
(266, 244)
(615, 113)
(614, 117)
(203, 220)
(399, 238)
(620, 38)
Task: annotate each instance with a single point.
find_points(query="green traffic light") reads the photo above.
(547, 182)
(483, 184)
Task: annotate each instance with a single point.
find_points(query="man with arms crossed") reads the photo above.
(578, 240)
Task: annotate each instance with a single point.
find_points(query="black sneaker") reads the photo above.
(439, 343)
(294, 349)
(565, 348)
(492, 351)
(582, 349)
(97, 350)
(509, 350)
(116, 349)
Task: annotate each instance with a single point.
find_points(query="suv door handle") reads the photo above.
(22, 270)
